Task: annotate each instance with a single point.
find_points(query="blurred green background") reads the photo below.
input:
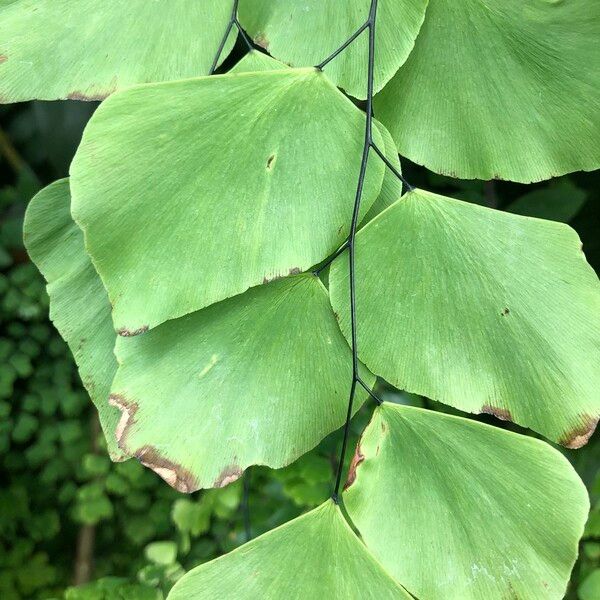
(67, 514)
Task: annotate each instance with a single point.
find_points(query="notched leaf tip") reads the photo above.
(579, 436)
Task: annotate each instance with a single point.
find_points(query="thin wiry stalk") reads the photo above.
(368, 142)
(349, 244)
(233, 21)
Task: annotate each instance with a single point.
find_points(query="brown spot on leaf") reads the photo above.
(292, 271)
(175, 475)
(128, 410)
(124, 332)
(228, 475)
(505, 311)
(499, 413)
(3, 58)
(270, 161)
(356, 460)
(84, 97)
(579, 436)
(262, 41)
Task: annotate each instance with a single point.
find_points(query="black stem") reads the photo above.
(370, 392)
(244, 35)
(391, 167)
(232, 21)
(327, 262)
(344, 45)
(368, 142)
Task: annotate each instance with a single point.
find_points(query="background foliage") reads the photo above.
(67, 514)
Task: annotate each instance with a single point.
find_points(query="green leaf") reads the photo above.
(590, 587)
(161, 553)
(500, 90)
(560, 201)
(112, 588)
(486, 311)
(79, 305)
(314, 556)
(207, 395)
(455, 509)
(183, 207)
(391, 187)
(257, 61)
(304, 34)
(86, 50)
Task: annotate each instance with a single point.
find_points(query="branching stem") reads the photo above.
(233, 21)
(368, 144)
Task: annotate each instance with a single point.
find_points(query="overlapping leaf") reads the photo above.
(500, 89)
(190, 192)
(316, 555)
(458, 510)
(483, 310)
(259, 378)
(305, 34)
(391, 187)
(85, 50)
(79, 305)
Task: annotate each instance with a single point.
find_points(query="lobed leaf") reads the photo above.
(458, 510)
(79, 306)
(304, 34)
(316, 555)
(183, 189)
(500, 89)
(259, 378)
(86, 50)
(487, 311)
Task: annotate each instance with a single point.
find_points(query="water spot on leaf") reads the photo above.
(214, 359)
